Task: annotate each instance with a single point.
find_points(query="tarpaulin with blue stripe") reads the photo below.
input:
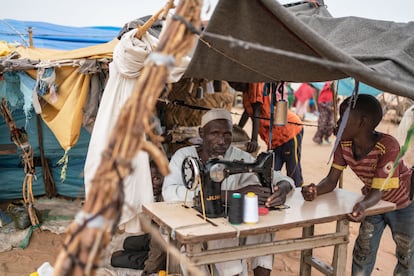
(52, 36)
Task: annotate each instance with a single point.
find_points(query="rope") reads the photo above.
(196, 107)
(64, 162)
(17, 32)
(21, 139)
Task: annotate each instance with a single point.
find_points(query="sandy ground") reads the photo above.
(45, 246)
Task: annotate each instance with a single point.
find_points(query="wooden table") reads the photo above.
(186, 227)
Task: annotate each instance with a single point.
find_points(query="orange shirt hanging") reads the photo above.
(280, 134)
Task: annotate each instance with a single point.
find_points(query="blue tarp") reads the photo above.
(12, 169)
(49, 36)
(346, 87)
(52, 36)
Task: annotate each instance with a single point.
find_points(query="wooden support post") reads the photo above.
(305, 267)
(340, 250)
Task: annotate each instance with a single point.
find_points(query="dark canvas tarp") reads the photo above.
(378, 53)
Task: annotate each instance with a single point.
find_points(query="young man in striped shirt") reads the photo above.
(371, 155)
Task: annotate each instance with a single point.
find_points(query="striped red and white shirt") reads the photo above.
(375, 167)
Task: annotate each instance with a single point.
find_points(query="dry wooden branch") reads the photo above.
(94, 225)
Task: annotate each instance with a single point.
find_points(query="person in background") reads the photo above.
(286, 141)
(252, 102)
(290, 95)
(302, 96)
(371, 155)
(141, 251)
(216, 133)
(326, 121)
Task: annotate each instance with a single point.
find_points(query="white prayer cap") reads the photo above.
(216, 114)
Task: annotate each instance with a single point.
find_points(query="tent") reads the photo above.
(78, 76)
(261, 40)
(77, 58)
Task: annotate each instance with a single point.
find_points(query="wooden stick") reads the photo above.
(144, 28)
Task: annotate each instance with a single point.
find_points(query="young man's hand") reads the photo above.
(252, 146)
(309, 192)
(358, 213)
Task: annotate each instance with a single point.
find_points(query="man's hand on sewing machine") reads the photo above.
(263, 193)
(280, 191)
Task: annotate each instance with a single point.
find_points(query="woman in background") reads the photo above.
(326, 121)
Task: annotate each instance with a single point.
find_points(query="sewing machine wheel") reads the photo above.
(191, 172)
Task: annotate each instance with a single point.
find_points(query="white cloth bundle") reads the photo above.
(128, 61)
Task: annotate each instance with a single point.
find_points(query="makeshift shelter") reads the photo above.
(245, 41)
(69, 84)
(69, 114)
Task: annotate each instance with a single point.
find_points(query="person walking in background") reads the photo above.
(371, 155)
(326, 121)
(302, 96)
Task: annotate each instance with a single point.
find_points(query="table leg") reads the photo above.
(173, 264)
(305, 268)
(193, 248)
(340, 250)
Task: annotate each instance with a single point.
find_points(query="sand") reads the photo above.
(45, 246)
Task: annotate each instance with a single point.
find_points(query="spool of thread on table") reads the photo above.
(251, 208)
(280, 116)
(236, 209)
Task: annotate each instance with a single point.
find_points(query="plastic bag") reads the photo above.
(20, 215)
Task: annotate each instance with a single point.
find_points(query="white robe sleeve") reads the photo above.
(173, 188)
(278, 176)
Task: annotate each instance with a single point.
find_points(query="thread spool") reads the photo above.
(236, 209)
(199, 93)
(280, 117)
(251, 208)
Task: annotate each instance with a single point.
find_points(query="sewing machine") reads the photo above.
(208, 177)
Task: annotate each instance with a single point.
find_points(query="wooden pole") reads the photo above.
(30, 31)
(164, 11)
(48, 181)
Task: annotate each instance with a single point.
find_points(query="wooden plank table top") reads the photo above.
(187, 226)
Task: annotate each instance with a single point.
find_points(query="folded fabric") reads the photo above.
(129, 259)
(137, 243)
